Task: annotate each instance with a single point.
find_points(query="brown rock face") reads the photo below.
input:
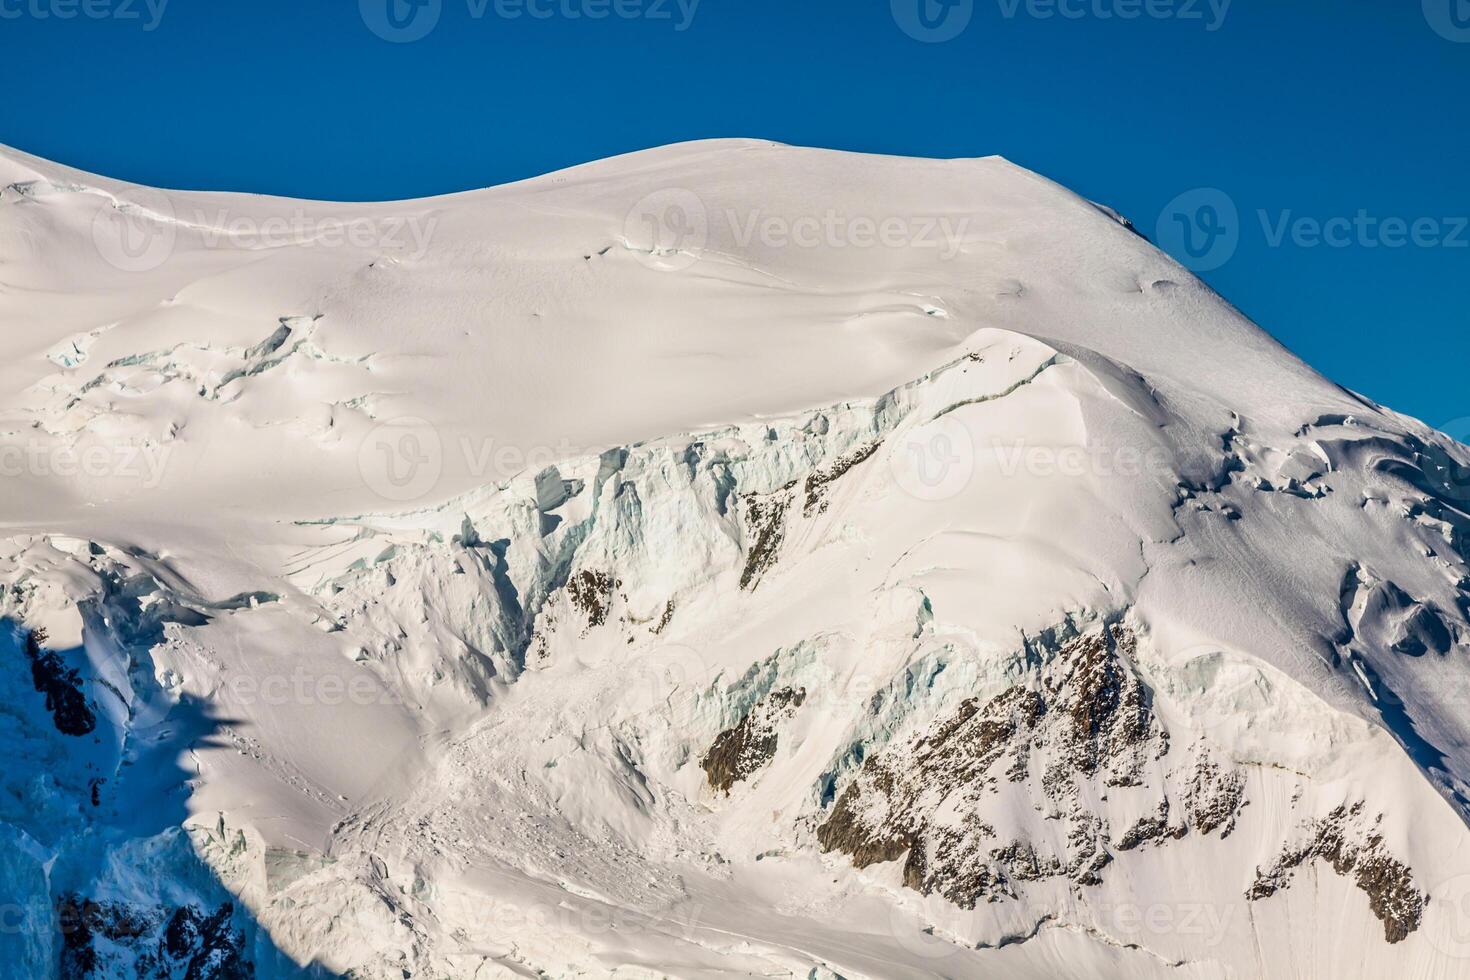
(1084, 716)
(741, 751)
(1354, 852)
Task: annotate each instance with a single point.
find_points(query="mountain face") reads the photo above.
(724, 560)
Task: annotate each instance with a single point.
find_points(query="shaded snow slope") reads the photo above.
(728, 559)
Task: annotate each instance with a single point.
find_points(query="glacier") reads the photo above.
(593, 584)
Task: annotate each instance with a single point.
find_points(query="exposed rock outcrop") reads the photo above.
(741, 751)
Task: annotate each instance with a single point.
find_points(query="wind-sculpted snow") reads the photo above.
(557, 600)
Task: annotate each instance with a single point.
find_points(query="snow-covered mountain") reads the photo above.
(724, 560)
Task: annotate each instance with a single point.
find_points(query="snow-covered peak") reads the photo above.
(735, 539)
(720, 281)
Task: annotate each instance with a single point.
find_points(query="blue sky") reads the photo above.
(1310, 157)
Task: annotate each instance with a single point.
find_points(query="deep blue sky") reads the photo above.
(1300, 108)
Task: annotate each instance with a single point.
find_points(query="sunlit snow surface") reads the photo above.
(424, 567)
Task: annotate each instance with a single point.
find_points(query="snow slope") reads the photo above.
(728, 559)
